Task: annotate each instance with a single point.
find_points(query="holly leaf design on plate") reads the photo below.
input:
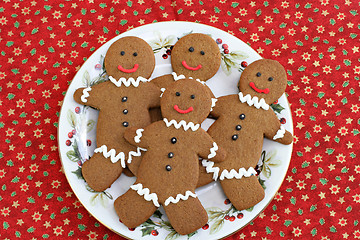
(231, 60)
(157, 214)
(277, 107)
(217, 225)
(147, 231)
(86, 78)
(90, 125)
(269, 161)
(78, 173)
(71, 118)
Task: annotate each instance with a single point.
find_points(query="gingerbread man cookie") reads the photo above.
(243, 120)
(123, 102)
(195, 55)
(169, 171)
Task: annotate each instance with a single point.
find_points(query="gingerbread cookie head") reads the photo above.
(264, 78)
(196, 55)
(186, 99)
(129, 57)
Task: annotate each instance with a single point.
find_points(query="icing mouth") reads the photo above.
(252, 85)
(190, 109)
(128, 70)
(191, 68)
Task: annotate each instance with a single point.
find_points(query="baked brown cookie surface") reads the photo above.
(169, 171)
(196, 55)
(243, 120)
(121, 101)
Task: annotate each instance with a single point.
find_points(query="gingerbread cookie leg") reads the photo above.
(193, 215)
(133, 209)
(100, 173)
(243, 193)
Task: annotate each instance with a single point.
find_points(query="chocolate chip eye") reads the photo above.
(270, 79)
(122, 53)
(177, 94)
(191, 49)
(202, 52)
(258, 74)
(192, 96)
(135, 54)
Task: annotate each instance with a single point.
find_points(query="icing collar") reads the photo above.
(253, 101)
(186, 126)
(127, 82)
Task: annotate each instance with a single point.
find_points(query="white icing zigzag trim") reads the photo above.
(253, 101)
(85, 94)
(112, 154)
(120, 156)
(128, 82)
(146, 193)
(162, 91)
(135, 154)
(213, 150)
(209, 165)
(242, 172)
(202, 82)
(176, 77)
(138, 135)
(182, 124)
(280, 133)
(237, 174)
(213, 103)
(179, 197)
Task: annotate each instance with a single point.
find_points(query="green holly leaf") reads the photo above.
(157, 214)
(78, 173)
(234, 4)
(277, 107)
(123, 22)
(147, 231)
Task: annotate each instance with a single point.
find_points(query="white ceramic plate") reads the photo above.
(77, 132)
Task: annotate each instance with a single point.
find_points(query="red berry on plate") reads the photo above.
(282, 120)
(205, 227)
(226, 51)
(70, 134)
(68, 142)
(240, 215)
(164, 56)
(88, 142)
(131, 229)
(276, 101)
(227, 201)
(227, 217)
(168, 52)
(225, 46)
(73, 131)
(98, 66)
(244, 64)
(79, 163)
(77, 109)
(154, 232)
(232, 218)
(218, 41)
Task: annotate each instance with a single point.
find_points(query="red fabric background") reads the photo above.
(44, 43)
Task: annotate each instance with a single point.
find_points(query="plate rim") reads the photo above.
(123, 34)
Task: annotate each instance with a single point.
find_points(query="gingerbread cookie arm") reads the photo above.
(208, 149)
(153, 93)
(275, 131)
(137, 137)
(90, 96)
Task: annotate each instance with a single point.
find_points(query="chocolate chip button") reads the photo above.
(238, 127)
(125, 111)
(168, 168)
(124, 99)
(242, 116)
(125, 124)
(258, 74)
(170, 155)
(235, 137)
(173, 140)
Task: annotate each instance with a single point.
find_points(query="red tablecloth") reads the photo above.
(43, 44)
